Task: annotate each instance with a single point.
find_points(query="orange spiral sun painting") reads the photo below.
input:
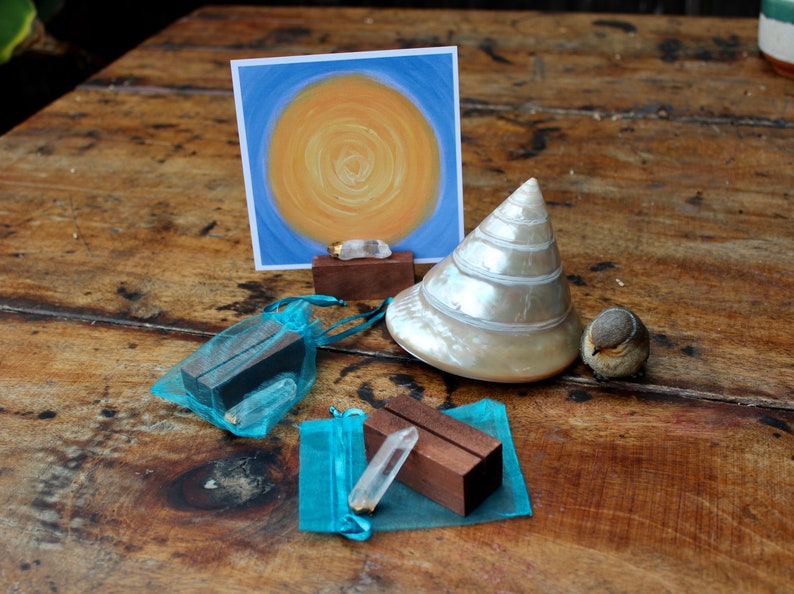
(353, 158)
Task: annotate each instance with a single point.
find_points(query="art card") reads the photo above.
(362, 145)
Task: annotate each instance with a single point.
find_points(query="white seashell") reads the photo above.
(499, 307)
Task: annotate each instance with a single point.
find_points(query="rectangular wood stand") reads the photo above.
(364, 278)
(240, 363)
(452, 463)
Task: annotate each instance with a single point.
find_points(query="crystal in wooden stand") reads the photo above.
(363, 278)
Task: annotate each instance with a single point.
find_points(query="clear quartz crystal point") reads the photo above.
(359, 248)
(381, 470)
(264, 403)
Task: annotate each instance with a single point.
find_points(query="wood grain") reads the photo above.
(663, 147)
(634, 65)
(104, 486)
(694, 235)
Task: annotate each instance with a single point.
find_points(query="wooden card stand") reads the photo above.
(239, 363)
(452, 463)
(363, 278)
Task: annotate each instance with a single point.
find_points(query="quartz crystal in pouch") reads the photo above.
(246, 378)
(332, 459)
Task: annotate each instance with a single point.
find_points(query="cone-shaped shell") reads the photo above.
(499, 307)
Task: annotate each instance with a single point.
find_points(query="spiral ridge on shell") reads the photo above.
(499, 307)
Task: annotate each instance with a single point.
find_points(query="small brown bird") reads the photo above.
(615, 344)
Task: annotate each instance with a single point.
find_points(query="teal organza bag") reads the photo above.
(246, 378)
(332, 458)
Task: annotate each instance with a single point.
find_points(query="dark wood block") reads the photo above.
(364, 278)
(236, 341)
(243, 361)
(452, 463)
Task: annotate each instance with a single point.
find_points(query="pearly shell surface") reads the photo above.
(499, 307)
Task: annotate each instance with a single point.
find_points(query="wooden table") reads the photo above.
(665, 150)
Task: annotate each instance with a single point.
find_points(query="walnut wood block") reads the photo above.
(364, 278)
(247, 335)
(452, 463)
(242, 362)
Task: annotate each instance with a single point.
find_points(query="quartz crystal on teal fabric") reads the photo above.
(246, 378)
(332, 458)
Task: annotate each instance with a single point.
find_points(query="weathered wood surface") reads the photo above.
(644, 66)
(103, 484)
(665, 149)
(692, 219)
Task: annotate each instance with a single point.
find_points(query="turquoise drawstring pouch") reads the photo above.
(332, 459)
(246, 378)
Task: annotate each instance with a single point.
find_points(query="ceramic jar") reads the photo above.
(776, 34)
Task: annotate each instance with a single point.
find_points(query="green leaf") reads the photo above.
(16, 18)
